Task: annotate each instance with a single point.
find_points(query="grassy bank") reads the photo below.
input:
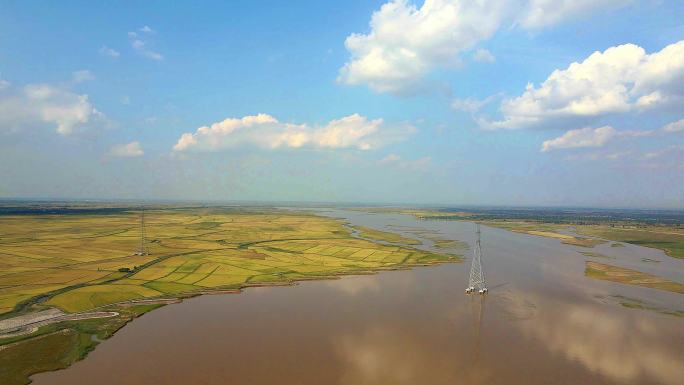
(57, 346)
(540, 229)
(631, 277)
(377, 235)
(667, 238)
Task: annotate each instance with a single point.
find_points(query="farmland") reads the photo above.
(85, 262)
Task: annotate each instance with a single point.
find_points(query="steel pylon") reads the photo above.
(477, 278)
(143, 247)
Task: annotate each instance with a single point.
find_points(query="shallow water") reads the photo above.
(543, 322)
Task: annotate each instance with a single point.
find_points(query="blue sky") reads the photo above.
(355, 101)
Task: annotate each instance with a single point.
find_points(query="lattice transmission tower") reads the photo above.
(477, 278)
(143, 244)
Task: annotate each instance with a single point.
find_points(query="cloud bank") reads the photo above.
(406, 42)
(677, 126)
(618, 80)
(45, 104)
(129, 150)
(582, 137)
(109, 52)
(82, 76)
(265, 131)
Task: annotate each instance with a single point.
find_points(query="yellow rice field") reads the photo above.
(81, 262)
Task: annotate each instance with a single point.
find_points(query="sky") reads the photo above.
(442, 102)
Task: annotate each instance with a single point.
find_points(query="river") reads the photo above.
(542, 322)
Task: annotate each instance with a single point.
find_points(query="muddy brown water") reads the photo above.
(543, 322)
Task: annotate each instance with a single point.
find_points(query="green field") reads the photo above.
(630, 277)
(595, 255)
(670, 239)
(80, 263)
(59, 345)
(634, 303)
(367, 232)
(667, 238)
(541, 229)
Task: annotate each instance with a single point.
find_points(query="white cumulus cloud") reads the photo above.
(598, 137)
(674, 126)
(391, 158)
(263, 130)
(82, 76)
(673, 148)
(109, 52)
(618, 80)
(471, 104)
(46, 104)
(394, 160)
(141, 46)
(129, 150)
(582, 137)
(484, 56)
(406, 42)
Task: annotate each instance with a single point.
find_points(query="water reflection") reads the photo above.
(386, 355)
(354, 286)
(625, 348)
(477, 306)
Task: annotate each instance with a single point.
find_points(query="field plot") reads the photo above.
(81, 262)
